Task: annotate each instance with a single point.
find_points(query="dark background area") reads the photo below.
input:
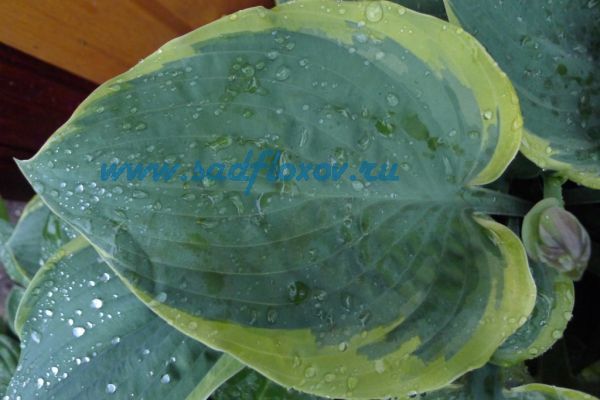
(36, 98)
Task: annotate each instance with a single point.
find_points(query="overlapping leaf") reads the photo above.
(550, 52)
(38, 234)
(13, 300)
(6, 258)
(546, 324)
(352, 288)
(84, 335)
(9, 355)
(488, 384)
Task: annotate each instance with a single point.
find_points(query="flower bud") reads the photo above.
(564, 243)
(556, 238)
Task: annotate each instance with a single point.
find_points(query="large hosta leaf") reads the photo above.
(349, 288)
(85, 336)
(550, 52)
(38, 234)
(549, 319)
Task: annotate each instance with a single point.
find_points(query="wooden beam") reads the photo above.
(100, 39)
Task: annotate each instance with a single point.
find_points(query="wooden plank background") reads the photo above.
(53, 53)
(98, 39)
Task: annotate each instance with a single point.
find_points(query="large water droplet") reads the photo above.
(36, 336)
(352, 382)
(283, 73)
(96, 304)
(78, 331)
(310, 372)
(374, 12)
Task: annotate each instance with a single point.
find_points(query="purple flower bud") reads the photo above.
(563, 243)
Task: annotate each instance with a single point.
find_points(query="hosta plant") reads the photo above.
(202, 284)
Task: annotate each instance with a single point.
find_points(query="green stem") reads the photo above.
(553, 187)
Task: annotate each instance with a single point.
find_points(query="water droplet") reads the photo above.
(374, 12)
(343, 346)
(488, 114)
(474, 135)
(283, 73)
(139, 194)
(40, 383)
(271, 316)
(38, 187)
(96, 304)
(352, 382)
(297, 292)
(248, 71)
(166, 378)
(111, 388)
(161, 297)
(392, 100)
(78, 331)
(310, 372)
(357, 185)
(557, 334)
(189, 196)
(379, 366)
(517, 123)
(533, 351)
(35, 336)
